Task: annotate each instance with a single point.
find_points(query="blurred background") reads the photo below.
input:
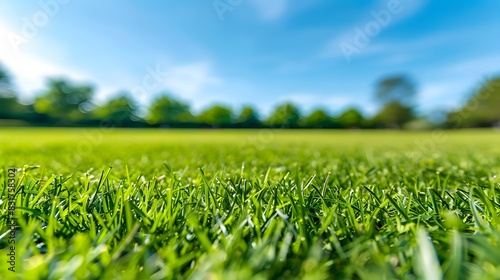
(395, 64)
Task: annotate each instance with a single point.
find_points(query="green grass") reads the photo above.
(262, 204)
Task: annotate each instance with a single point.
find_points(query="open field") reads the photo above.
(260, 204)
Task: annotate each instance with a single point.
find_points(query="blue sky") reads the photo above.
(258, 52)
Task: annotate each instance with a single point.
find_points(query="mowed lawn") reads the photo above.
(251, 204)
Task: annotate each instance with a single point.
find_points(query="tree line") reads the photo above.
(64, 103)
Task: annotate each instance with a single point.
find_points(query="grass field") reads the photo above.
(261, 204)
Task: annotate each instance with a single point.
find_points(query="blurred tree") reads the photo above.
(481, 110)
(65, 101)
(10, 108)
(397, 94)
(396, 88)
(119, 110)
(285, 115)
(217, 116)
(421, 123)
(319, 119)
(352, 118)
(168, 110)
(394, 115)
(248, 118)
(5, 84)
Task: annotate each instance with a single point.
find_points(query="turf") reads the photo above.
(260, 204)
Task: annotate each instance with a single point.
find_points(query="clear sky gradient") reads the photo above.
(259, 52)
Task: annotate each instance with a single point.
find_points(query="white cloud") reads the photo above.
(270, 10)
(408, 8)
(190, 80)
(29, 71)
(442, 94)
(455, 82)
(475, 67)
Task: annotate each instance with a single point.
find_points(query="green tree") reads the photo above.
(7, 100)
(217, 116)
(5, 84)
(119, 110)
(319, 119)
(65, 101)
(481, 110)
(396, 88)
(393, 114)
(397, 94)
(10, 108)
(248, 118)
(352, 118)
(168, 110)
(285, 115)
